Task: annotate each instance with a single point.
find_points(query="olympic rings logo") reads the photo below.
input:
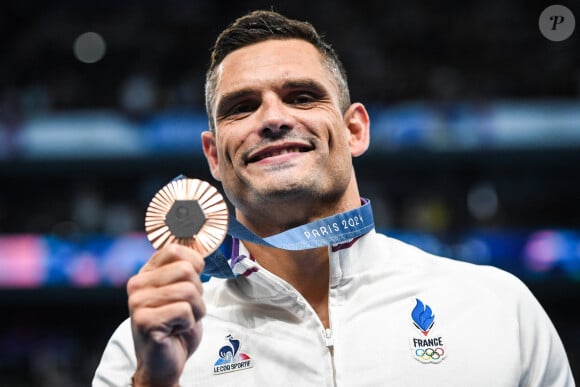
(428, 354)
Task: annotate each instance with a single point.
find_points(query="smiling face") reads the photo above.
(281, 140)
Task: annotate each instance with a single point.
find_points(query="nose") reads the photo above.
(275, 117)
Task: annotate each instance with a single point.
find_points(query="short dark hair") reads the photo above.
(259, 26)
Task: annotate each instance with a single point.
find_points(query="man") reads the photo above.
(364, 311)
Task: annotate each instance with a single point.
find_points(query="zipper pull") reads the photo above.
(328, 339)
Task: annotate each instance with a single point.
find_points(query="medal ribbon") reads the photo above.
(329, 231)
(332, 230)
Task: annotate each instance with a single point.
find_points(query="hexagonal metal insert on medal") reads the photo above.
(185, 218)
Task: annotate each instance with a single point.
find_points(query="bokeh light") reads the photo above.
(89, 47)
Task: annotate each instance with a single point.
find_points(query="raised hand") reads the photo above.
(166, 307)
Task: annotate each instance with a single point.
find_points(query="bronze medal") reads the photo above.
(189, 212)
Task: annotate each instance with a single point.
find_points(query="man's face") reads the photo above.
(280, 133)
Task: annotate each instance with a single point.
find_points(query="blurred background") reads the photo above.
(475, 149)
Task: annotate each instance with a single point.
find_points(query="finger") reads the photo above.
(174, 252)
(177, 271)
(164, 321)
(170, 294)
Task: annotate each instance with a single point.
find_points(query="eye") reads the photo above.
(239, 108)
(302, 98)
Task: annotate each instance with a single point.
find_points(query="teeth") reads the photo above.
(278, 152)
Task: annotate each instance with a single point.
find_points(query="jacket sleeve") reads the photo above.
(543, 357)
(118, 362)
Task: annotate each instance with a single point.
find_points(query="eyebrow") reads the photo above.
(304, 84)
(230, 98)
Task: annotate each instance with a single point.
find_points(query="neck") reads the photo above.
(308, 271)
(275, 216)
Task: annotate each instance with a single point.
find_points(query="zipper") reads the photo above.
(327, 333)
(328, 339)
(329, 342)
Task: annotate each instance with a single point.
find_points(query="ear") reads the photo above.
(357, 122)
(208, 143)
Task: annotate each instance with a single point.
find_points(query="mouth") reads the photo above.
(278, 150)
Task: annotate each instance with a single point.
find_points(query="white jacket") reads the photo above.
(398, 316)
